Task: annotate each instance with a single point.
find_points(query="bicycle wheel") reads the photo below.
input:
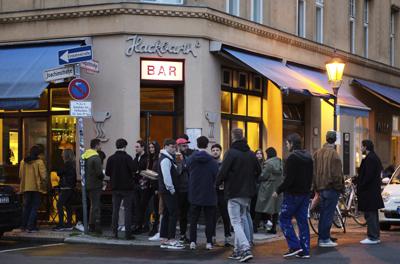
(355, 214)
(313, 219)
(338, 220)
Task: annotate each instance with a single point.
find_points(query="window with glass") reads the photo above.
(301, 18)
(361, 132)
(49, 126)
(257, 11)
(319, 19)
(241, 106)
(233, 7)
(392, 51)
(352, 14)
(365, 26)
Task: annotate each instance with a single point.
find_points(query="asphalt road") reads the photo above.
(348, 251)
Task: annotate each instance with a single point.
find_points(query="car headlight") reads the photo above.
(385, 196)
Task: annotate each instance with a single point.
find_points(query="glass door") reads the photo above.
(161, 113)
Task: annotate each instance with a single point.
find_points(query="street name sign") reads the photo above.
(79, 89)
(75, 55)
(91, 66)
(80, 108)
(59, 73)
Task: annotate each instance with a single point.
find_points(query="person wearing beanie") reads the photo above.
(328, 183)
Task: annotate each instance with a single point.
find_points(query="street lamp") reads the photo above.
(334, 69)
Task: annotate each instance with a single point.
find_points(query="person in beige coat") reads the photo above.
(33, 176)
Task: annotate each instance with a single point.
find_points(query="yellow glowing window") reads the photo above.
(225, 102)
(253, 135)
(239, 124)
(254, 106)
(225, 134)
(239, 104)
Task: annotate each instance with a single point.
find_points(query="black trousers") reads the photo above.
(155, 206)
(170, 215)
(117, 197)
(223, 210)
(373, 229)
(209, 213)
(142, 198)
(95, 208)
(184, 207)
(65, 200)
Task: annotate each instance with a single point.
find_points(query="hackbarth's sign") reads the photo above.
(138, 45)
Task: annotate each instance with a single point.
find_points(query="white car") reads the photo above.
(390, 215)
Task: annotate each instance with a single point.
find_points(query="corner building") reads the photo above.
(169, 67)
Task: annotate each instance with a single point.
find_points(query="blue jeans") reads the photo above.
(295, 206)
(31, 205)
(248, 226)
(328, 201)
(237, 209)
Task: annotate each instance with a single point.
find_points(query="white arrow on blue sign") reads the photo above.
(75, 55)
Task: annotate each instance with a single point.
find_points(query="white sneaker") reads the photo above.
(79, 227)
(174, 244)
(156, 237)
(192, 245)
(368, 241)
(209, 246)
(327, 244)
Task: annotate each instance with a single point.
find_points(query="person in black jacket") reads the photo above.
(203, 171)
(369, 191)
(120, 169)
(142, 191)
(238, 172)
(67, 186)
(154, 153)
(296, 187)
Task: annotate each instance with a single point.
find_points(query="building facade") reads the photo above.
(169, 67)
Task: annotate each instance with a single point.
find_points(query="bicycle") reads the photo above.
(348, 203)
(314, 216)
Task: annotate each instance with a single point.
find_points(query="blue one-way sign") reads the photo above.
(75, 55)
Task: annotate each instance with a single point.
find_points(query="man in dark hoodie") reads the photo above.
(239, 171)
(203, 170)
(94, 182)
(296, 198)
(121, 171)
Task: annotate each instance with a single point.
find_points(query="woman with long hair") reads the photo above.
(67, 186)
(33, 175)
(154, 153)
(260, 158)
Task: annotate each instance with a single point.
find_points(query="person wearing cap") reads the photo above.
(182, 157)
(167, 186)
(328, 183)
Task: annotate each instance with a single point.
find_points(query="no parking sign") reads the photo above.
(79, 89)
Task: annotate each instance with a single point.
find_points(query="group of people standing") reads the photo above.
(243, 187)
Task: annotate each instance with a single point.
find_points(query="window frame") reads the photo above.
(392, 36)
(301, 25)
(228, 5)
(319, 7)
(260, 11)
(352, 22)
(366, 27)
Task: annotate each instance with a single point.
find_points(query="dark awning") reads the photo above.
(21, 74)
(387, 93)
(285, 78)
(348, 104)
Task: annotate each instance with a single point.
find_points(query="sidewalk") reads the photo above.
(75, 236)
